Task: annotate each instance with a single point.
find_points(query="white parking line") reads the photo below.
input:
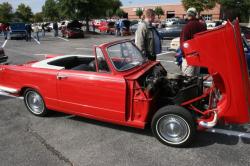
(230, 133)
(165, 53)
(36, 40)
(63, 39)
(40, 54)
(5, 42)
(84, 48)
(166, 61)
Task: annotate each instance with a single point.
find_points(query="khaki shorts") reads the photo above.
(189, 70)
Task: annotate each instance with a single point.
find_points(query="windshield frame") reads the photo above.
(145, 59)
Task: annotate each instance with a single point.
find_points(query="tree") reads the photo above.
(199, 5)
(38, 17)
(50, 10)
(24, 13)
(159, 11)
(6, 12)
(87, 9)
(120, 13)
(139, 12)
(235, 8)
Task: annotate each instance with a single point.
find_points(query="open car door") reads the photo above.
(221, 51)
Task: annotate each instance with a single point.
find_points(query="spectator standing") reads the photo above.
(36, 31)
(55, 27)
(93, 25)
(43, 30)
(28, 29)
(5, 28)
(147, 39)
(203, 21)
(189, 30)
(117, 27)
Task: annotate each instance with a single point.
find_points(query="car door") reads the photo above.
(97, 94)
(221, 51)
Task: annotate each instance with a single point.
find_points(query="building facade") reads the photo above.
(172, 10)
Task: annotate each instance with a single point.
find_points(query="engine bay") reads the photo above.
(170, 88)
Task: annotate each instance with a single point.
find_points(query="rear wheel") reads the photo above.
(35, 103)
(174, 126)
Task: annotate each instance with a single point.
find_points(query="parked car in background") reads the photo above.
(3, 57)
(48, 27)
(72, 30)
(175, 44)
(125, 27)
(246, 32)
(98, 23)
(1, 27)
(17, 31)
(134, 28)
(172, 31)
(246, 50)
(170, 21)
(109, 27)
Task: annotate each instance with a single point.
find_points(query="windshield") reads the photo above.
(125, 56)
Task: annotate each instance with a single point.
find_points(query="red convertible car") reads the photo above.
(117, 84)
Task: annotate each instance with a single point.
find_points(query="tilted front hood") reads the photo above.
(221, 51)
(138, 71)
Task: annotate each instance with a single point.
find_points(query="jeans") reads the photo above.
(28, 37)
(55, 33)
(5, 33)
(43, 33)
(37, 35)
(189, 70)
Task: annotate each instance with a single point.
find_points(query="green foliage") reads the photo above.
(87, 9)
(120, 13)
(236, 8)
(6, 12)
(139, 12)
(159, 11)
(50, 10)
(38, 17)
(112, 7)
(24, 13)
(200, 5)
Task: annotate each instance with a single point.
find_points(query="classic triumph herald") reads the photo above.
(117, 84)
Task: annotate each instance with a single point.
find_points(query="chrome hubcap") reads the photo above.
(173, 129)
(34, 102)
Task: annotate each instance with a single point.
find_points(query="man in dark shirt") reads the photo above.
(28, 29)
(193, 26)
(55, 27)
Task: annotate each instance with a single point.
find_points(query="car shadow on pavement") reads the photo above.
(146, 131)
(202, 139)
(5, 98)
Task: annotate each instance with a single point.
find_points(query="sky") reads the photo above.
(36, 5)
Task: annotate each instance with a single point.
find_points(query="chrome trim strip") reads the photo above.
(8, 90)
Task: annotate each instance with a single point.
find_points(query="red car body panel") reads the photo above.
(221, 51)
(71, 33)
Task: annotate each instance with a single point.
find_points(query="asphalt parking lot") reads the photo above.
(62, 139)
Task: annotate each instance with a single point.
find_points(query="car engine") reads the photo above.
(170, 88)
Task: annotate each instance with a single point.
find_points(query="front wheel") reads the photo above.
(35, 103)
(173, 126)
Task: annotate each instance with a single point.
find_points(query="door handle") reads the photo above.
(61, 77)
